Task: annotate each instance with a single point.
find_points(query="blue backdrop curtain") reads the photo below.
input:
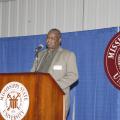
(93, 97)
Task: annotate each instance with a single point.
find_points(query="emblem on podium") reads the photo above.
(14, 101)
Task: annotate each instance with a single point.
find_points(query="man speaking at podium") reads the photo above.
(60, 63)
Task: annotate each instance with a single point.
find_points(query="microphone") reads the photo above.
(37, 49)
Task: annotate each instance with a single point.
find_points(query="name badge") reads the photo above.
(57, 67)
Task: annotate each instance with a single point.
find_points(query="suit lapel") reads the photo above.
(56, 57)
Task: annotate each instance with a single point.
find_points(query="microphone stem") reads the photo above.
(36, 58)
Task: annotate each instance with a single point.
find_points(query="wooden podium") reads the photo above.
(46, 98)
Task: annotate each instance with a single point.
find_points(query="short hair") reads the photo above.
(55, 30)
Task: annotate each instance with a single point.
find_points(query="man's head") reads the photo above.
(53, 39)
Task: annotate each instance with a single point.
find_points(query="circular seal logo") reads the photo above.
(14, 101)
(112, 60)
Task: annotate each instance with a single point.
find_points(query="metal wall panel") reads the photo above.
(12, 22)
(0, 17)
(29, 17)
(5, 18)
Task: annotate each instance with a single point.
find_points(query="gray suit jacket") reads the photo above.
(63, 69)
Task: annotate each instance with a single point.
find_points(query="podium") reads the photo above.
(46, 98)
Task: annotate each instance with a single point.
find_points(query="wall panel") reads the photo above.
(29, 17)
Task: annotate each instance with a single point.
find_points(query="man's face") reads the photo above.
(53, 40)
